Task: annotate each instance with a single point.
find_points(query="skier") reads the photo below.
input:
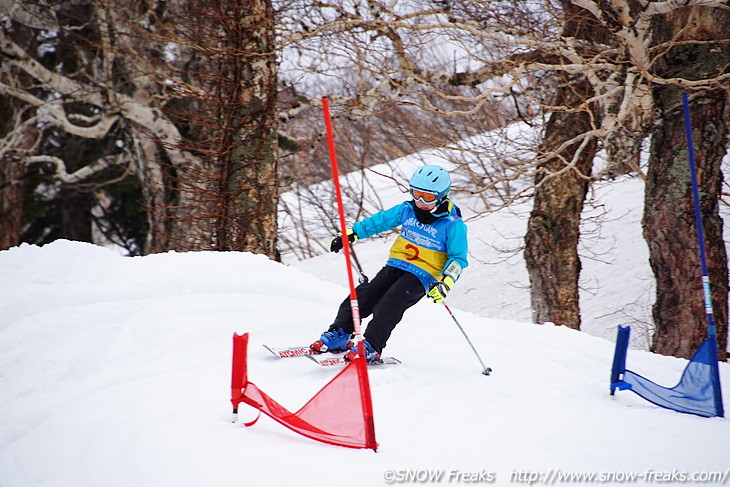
(426, 258)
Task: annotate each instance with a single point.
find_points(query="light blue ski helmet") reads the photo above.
(432, 179)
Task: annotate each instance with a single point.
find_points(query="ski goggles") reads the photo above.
(423, 196)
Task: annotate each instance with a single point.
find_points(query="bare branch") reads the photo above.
(81, 175)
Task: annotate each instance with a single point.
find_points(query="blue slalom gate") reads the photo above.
(698, 391)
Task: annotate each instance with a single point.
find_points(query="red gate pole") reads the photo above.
(354, 305)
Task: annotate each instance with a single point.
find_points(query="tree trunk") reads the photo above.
(12, 194)
(668, 222)
(13, 173)
(210, 174)
(551, 251)
(670, 231)
(553, 230)
(248, 181)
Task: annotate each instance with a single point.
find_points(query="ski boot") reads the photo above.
(370, 354)
(332, 341)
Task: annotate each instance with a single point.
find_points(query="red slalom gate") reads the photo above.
(341, 413)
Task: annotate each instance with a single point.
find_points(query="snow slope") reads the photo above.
(115, 371)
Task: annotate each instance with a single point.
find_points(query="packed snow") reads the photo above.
(115, 371)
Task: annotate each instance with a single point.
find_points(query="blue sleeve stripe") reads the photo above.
(379, 222)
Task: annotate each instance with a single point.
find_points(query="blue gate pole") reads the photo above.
(711, 332)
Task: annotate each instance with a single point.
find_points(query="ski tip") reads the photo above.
(290, 351)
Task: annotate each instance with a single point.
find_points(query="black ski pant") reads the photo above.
(386, 297)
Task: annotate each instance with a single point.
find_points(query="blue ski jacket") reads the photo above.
(428, 250)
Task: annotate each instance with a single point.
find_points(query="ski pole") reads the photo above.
(363, 278)
(485, 370)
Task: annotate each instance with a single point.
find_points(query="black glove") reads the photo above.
(336, 242)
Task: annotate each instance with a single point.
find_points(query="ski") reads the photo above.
(327, 360)
(287, 352)
(324, 359)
